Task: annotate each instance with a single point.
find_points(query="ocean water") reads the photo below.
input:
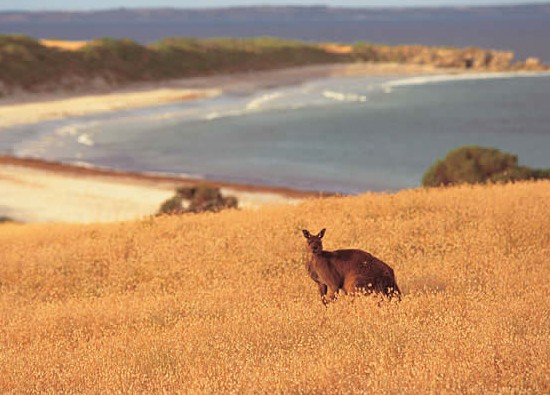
(341, 134)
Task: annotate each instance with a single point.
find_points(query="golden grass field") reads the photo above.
(221, 303)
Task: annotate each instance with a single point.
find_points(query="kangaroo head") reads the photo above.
(314, 243)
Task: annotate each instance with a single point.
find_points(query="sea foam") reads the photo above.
(259, 102)
(435, 79)
(345, 97)
(85, 139)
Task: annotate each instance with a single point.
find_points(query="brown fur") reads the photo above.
(347, 270)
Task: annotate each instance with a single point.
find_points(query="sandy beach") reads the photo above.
(25, 108)
(35, 191)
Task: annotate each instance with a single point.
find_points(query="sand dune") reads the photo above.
(63, 44)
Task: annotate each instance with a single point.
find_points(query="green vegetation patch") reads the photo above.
(27, 64)
(474, 165)
(199, 199)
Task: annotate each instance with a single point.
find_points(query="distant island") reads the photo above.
(31, 65)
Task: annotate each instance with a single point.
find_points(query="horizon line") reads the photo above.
(273, 6)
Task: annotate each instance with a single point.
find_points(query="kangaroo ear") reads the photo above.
(321, 233)
(306, 233)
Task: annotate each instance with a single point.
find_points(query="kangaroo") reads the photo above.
(347, 270)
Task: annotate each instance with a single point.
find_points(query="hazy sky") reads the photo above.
(95, 4)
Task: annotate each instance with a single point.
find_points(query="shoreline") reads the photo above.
(29, 108)
(26, 108)
(36, 190)
(171, 181)
(39, 191)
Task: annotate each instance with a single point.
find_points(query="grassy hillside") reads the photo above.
(30, 65)
(221, 302)
(27, 64)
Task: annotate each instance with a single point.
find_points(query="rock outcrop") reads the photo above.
(531, 64)
(461, 58)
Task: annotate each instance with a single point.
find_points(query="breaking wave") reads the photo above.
(85, 139)
(258, 103)
(345, 97)
(435, 79)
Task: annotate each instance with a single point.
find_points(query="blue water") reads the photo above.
(344, 135)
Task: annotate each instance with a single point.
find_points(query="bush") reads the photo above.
(174, 205)
(207, 198)
(201, 198)
(473, 165)
(25, 63)
(119, 60)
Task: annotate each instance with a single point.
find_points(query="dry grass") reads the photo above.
(219, 303)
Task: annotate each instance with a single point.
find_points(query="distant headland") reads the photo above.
(31, 65)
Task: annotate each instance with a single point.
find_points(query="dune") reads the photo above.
(337, 48)
(64, 44)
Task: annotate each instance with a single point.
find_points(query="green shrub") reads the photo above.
(472, 165)
(174, 205)
(521, 173)
(208, 198)
(118, 60)
(201, 198)
(25, 63)
(367, 52)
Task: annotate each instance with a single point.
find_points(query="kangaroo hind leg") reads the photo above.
(390, 289)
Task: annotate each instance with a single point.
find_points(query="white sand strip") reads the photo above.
(37, 195)
(26, 113)
(33, 195)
